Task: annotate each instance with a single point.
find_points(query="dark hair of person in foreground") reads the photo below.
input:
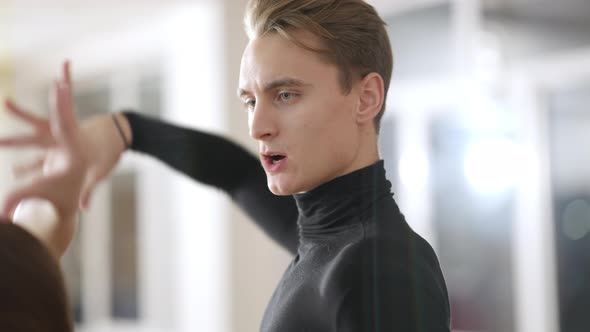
(32, 292)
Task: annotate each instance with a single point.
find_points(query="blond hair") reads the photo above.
(353, 35)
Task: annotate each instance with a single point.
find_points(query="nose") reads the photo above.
(262, 123)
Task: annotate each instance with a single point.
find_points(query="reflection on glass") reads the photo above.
(527, 30)
(124, 247)
(570, 179)
(92, 102)
(71, 265)
(150, 94)
(473, 228)
(413, 56)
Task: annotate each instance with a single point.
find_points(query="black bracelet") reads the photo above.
(127, 145)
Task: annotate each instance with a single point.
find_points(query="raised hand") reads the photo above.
(97, 135)
(64, 168)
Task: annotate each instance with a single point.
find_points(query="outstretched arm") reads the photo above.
(206, 158)
(216, 161)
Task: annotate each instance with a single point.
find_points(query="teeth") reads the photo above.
(275, 158)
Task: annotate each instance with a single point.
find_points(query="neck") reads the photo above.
(367, 151)
(339, 204)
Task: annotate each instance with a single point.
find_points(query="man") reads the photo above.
(313, 80)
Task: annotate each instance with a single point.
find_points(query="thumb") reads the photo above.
(87, 193)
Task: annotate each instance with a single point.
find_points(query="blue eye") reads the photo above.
(250, 104)
(287, 96)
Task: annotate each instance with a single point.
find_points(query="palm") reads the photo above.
(64, 165)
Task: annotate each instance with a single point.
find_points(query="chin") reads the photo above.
(279, 191)
(282, 189)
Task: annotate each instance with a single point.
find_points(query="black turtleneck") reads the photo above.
(358, 266)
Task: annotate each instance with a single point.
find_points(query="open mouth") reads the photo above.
(274, 162)
(275, 158)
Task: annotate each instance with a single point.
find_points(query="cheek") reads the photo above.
(323, 131)
(342, 139)
(331, 144)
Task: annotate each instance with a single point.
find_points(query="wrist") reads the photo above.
(123, 129)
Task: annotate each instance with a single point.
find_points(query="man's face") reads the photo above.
(297, 111)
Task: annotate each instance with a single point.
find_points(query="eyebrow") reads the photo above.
(283, 82)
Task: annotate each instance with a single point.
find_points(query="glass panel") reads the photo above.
(150, 94)
(71, 265)
(473, 219)
(570, 178)
(421, 42)
(124, 246)
(527, 29)
(92, 102)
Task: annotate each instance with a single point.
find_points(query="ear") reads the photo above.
(371, 94)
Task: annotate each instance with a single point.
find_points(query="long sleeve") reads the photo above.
(218, 162)
(388, 285)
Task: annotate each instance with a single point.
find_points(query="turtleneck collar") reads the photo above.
(341, 203)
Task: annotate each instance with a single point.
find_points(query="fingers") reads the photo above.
(64, 122)
(85, 198)
(21, 141)
(24, 169)
(28, 117)
(66, 72)
(90, 183)
(66, 100)
(63, 125)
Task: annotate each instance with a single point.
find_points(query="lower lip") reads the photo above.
(273, 167)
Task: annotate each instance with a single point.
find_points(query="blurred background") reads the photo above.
(485, 139)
